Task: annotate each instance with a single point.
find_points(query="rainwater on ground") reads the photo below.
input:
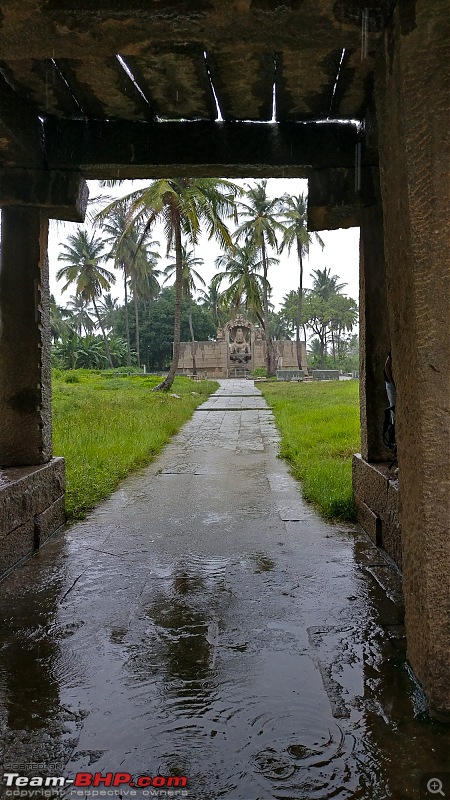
(205, 622)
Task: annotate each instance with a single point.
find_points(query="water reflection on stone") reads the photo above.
(179, 631)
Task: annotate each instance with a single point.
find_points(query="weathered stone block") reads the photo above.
(46, 523)
(376, 497)
(369, 521)
(391, 533)
(28, 491)
(370, 484)
(17, 544)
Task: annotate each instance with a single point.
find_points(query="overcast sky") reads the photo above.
(340, 254)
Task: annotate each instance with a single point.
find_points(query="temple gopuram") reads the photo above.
(238, 350)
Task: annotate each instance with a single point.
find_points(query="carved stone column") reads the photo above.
(412, 98)
(25, 390)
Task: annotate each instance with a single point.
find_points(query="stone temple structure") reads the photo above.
(247, 89)
(238, 350)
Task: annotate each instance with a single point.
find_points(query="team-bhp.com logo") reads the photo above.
(22, 786)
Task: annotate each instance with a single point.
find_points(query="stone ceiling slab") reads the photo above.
(66, 59)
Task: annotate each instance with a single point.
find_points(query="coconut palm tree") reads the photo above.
(183, 205)
(326, 285)
(260, 228)
(212, 300)
(60, 326)
(83, 256)
(294, 211)
(109, 308)
(241, 267)
(191, 279)
(79, 315)
(122, 239)
(143, 279)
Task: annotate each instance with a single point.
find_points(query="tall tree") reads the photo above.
(191, 279)
(241, 267)
(109, 307)
(294, 211)
(214, 302)
(60, 327)
(183, 205)
(328, 314)
(144, 282)
(122, 239)
(325, 284)
(79, 312)
(260, 228)
(83, 256)
(343, 317)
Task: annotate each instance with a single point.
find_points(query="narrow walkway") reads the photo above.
(204, 622)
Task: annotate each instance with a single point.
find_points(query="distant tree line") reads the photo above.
(95, 331)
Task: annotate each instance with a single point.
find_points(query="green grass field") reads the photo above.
(106, 425)
(319, 425)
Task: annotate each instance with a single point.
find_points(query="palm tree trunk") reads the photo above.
(108, 352)
(322, 348)
(299, 304)
(127, 321)
(136, 320)
(191, 328)
(270, 355)
(167, 382)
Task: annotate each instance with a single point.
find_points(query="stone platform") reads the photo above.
(31, 508)
(375, 488)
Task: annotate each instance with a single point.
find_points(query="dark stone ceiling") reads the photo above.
(146, 61)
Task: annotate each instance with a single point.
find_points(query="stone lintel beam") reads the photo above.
(21, 125)
(336, 196)
(60, 195)
(115, 149)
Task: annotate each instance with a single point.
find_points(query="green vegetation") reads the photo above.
(106, 425)
(319, 424)
(95, 330)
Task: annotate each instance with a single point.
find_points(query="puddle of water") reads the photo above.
(260, 658)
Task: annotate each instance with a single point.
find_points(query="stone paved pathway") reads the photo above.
(204, 621)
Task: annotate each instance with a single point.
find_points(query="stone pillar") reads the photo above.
(25, 391)
(374, 333)
(412, 97)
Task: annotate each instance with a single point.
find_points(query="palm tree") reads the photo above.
(59, 325)
(246, 287)
(190, 280)
(80, 315)
(182, 204)
(143, 279)
(344, 314)
(326, 285)
(260, 230)
(109, 309)
(294, 210)
(122, 239)
(213, 301)
(82, 256)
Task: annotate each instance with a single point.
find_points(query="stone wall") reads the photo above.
(212, 357)
(375, 488)
(31, 508)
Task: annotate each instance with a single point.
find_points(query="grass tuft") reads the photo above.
(105, 426)
(319, 425)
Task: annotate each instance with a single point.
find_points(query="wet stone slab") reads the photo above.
(205, 622)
